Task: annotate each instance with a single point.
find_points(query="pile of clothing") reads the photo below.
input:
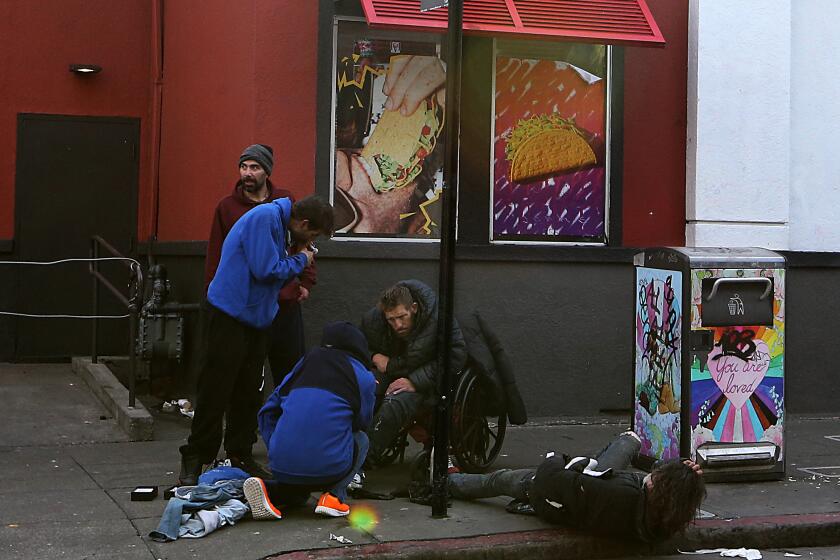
(196, 511)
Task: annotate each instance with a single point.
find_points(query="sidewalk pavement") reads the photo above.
(68, 471)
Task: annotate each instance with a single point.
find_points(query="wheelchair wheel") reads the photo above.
(476, 439)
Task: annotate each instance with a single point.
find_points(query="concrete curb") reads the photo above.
(546, 544)
(782, 531)
(772, 531)
(136, 422)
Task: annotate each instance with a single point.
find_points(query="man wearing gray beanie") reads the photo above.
(262, 154)
(255, 166)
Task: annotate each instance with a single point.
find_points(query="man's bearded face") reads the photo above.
(252, 176)
(401, 319)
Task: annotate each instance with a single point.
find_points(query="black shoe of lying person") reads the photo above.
(250, 466)
(521, 507)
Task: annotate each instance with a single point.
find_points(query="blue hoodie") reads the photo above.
(254, 265)
(309, 420)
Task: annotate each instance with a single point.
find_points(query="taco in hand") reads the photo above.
(546, 145)
(394, 154)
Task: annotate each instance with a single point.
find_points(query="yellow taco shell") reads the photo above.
(396, 136)
(394, 154)
(550, 152)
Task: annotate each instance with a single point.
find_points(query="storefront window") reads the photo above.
(388, 136)
(535, 154)
(550, 156)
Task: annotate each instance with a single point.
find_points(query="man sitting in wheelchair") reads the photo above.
(401, 332)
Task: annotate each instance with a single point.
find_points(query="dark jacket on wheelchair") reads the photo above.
(414, 357)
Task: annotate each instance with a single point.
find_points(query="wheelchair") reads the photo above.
(477, 424)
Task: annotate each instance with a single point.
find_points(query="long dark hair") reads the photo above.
(673, 499)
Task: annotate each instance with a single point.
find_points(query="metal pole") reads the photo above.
(94, 254)
(446, 272)
(132, 318)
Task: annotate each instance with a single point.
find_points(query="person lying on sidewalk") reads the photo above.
(598, 495)
(314, 426)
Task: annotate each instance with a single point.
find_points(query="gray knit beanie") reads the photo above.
(261, 153)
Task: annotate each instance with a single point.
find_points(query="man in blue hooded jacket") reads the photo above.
(314, 425)
(241, 305)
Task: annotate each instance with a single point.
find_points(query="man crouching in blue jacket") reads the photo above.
(314, 426)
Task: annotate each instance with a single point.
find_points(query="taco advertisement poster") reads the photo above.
(389, 163)
(549, 152)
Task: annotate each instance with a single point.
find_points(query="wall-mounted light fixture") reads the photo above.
(85, 69)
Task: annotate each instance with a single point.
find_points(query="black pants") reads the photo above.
(286, 344)
(394, 413)
(231, 375)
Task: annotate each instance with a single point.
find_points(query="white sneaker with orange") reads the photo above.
(257, 497)
(331, 506)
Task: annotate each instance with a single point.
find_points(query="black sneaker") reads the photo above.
(521, 507)
(190, 470)
(250, 466)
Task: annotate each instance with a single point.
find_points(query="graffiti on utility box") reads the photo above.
(658, 361)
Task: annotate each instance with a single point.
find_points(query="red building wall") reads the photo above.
(38, 42)
(235, 73)
(655, 98)
(222, 92)
(241, 72)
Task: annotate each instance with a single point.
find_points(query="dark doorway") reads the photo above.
(76, 177)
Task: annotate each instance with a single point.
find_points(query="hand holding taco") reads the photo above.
(411, 80)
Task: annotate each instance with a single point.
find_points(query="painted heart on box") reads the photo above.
(736, 377)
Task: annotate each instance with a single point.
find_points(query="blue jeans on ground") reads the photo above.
(200, 497)
(284, 494)
(516, 483)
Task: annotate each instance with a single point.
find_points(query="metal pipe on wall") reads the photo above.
(93, 267)
(156, 118)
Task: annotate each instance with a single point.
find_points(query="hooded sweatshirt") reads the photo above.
(612, 505)
(227, 212)
(254, 265)
(414, 357)
(309, 420)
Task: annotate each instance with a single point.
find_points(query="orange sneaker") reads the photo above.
(257, 497)
(332, 506)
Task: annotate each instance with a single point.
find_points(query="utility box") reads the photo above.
(709, 354)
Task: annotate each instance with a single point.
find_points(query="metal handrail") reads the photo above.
(135, 291)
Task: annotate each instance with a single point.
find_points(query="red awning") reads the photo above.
(627, 22)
